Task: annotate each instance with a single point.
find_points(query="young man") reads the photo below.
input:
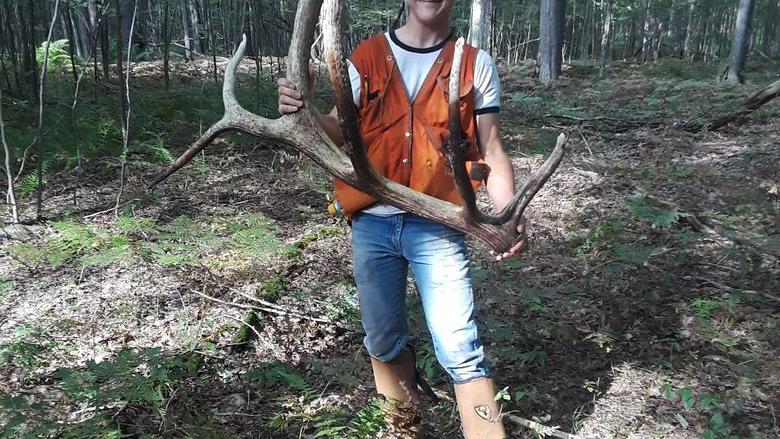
(399, 85)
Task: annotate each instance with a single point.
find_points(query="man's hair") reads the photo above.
(401, 9)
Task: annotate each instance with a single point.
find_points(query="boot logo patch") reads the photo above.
(484, 412)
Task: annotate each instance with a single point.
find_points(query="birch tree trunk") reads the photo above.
(481, 27)
(186, 25)
(606, 33)
(689, 30)
(741, 43)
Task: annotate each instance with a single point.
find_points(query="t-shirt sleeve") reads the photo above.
(354, 78)
(487, 85)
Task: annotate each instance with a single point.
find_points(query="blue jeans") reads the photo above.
(384, 248)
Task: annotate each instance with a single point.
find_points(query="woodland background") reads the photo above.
(222, 303)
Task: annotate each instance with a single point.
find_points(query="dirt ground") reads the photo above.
(648, 304)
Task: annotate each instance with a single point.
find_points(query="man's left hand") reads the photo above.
(522, 244)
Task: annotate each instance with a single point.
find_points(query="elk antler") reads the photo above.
(350, 162)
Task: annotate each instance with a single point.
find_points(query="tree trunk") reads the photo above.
(41, 106)
(481, 27)
(186, 25)
(646, 40)
(776, 47)
(741, 43)
(10, 192)
(770, 27)
(605, 35)
(166, 37)
(195, 17)
(689, 30)
(551, 40)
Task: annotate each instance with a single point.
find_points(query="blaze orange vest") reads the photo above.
(404, 139)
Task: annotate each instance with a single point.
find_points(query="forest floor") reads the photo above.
(648, 304)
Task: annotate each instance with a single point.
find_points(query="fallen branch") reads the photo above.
(271, 308)
(752, 104)
(727, 288)
(539, 429)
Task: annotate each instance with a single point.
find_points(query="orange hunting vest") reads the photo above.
(404, 139)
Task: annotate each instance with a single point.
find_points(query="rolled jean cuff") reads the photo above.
(385, 357)
(473, 377)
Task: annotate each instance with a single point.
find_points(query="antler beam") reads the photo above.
(350, 162)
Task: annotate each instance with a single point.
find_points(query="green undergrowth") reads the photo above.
(137, 378)
(671, 90)
(182, 241)
(146, 381)
(162, 121)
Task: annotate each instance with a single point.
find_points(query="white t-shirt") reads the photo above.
(414, 64)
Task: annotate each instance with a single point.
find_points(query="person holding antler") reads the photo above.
(400, 87)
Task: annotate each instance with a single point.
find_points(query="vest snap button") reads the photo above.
(405, 160)
(389, 57)
(440, 60)
(408, 134)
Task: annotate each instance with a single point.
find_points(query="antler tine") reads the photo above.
(232, 109)
(455, 147)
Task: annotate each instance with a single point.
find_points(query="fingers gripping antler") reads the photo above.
(350, 162)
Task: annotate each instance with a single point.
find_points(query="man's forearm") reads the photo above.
(501, 180)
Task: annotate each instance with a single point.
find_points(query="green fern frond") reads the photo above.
(136, 226)
(30, 182)
(156, 150)
(650, 209)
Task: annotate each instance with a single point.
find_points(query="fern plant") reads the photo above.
(658, 213)
(59, 57)
(30, 182)
(155, 150)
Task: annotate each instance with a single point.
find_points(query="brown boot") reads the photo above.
(479, 411)
(395, 382)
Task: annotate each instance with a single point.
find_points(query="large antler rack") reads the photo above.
(350, 162)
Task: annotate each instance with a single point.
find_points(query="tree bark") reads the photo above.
(481, 27)
(646, 37)
(186, 24)
(41, 106)
(166, 37)
(11, 194)
(775, 52)
(740, 46)
(770, 21)
(689, 30)
(551, 40)
(605, 36)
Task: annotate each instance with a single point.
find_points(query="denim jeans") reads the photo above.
(384, 248)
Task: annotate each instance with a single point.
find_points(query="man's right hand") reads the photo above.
(290, 99)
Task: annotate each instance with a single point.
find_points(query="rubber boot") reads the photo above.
(479, 411)
(395, 382)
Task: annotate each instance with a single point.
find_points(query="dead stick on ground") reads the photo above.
(274, 309)
(257, 333)
(541, 429)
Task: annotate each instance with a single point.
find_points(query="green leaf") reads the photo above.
(687, 398)
(708, 401)
(669, 394)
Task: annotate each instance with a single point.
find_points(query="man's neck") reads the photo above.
(421, 36)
